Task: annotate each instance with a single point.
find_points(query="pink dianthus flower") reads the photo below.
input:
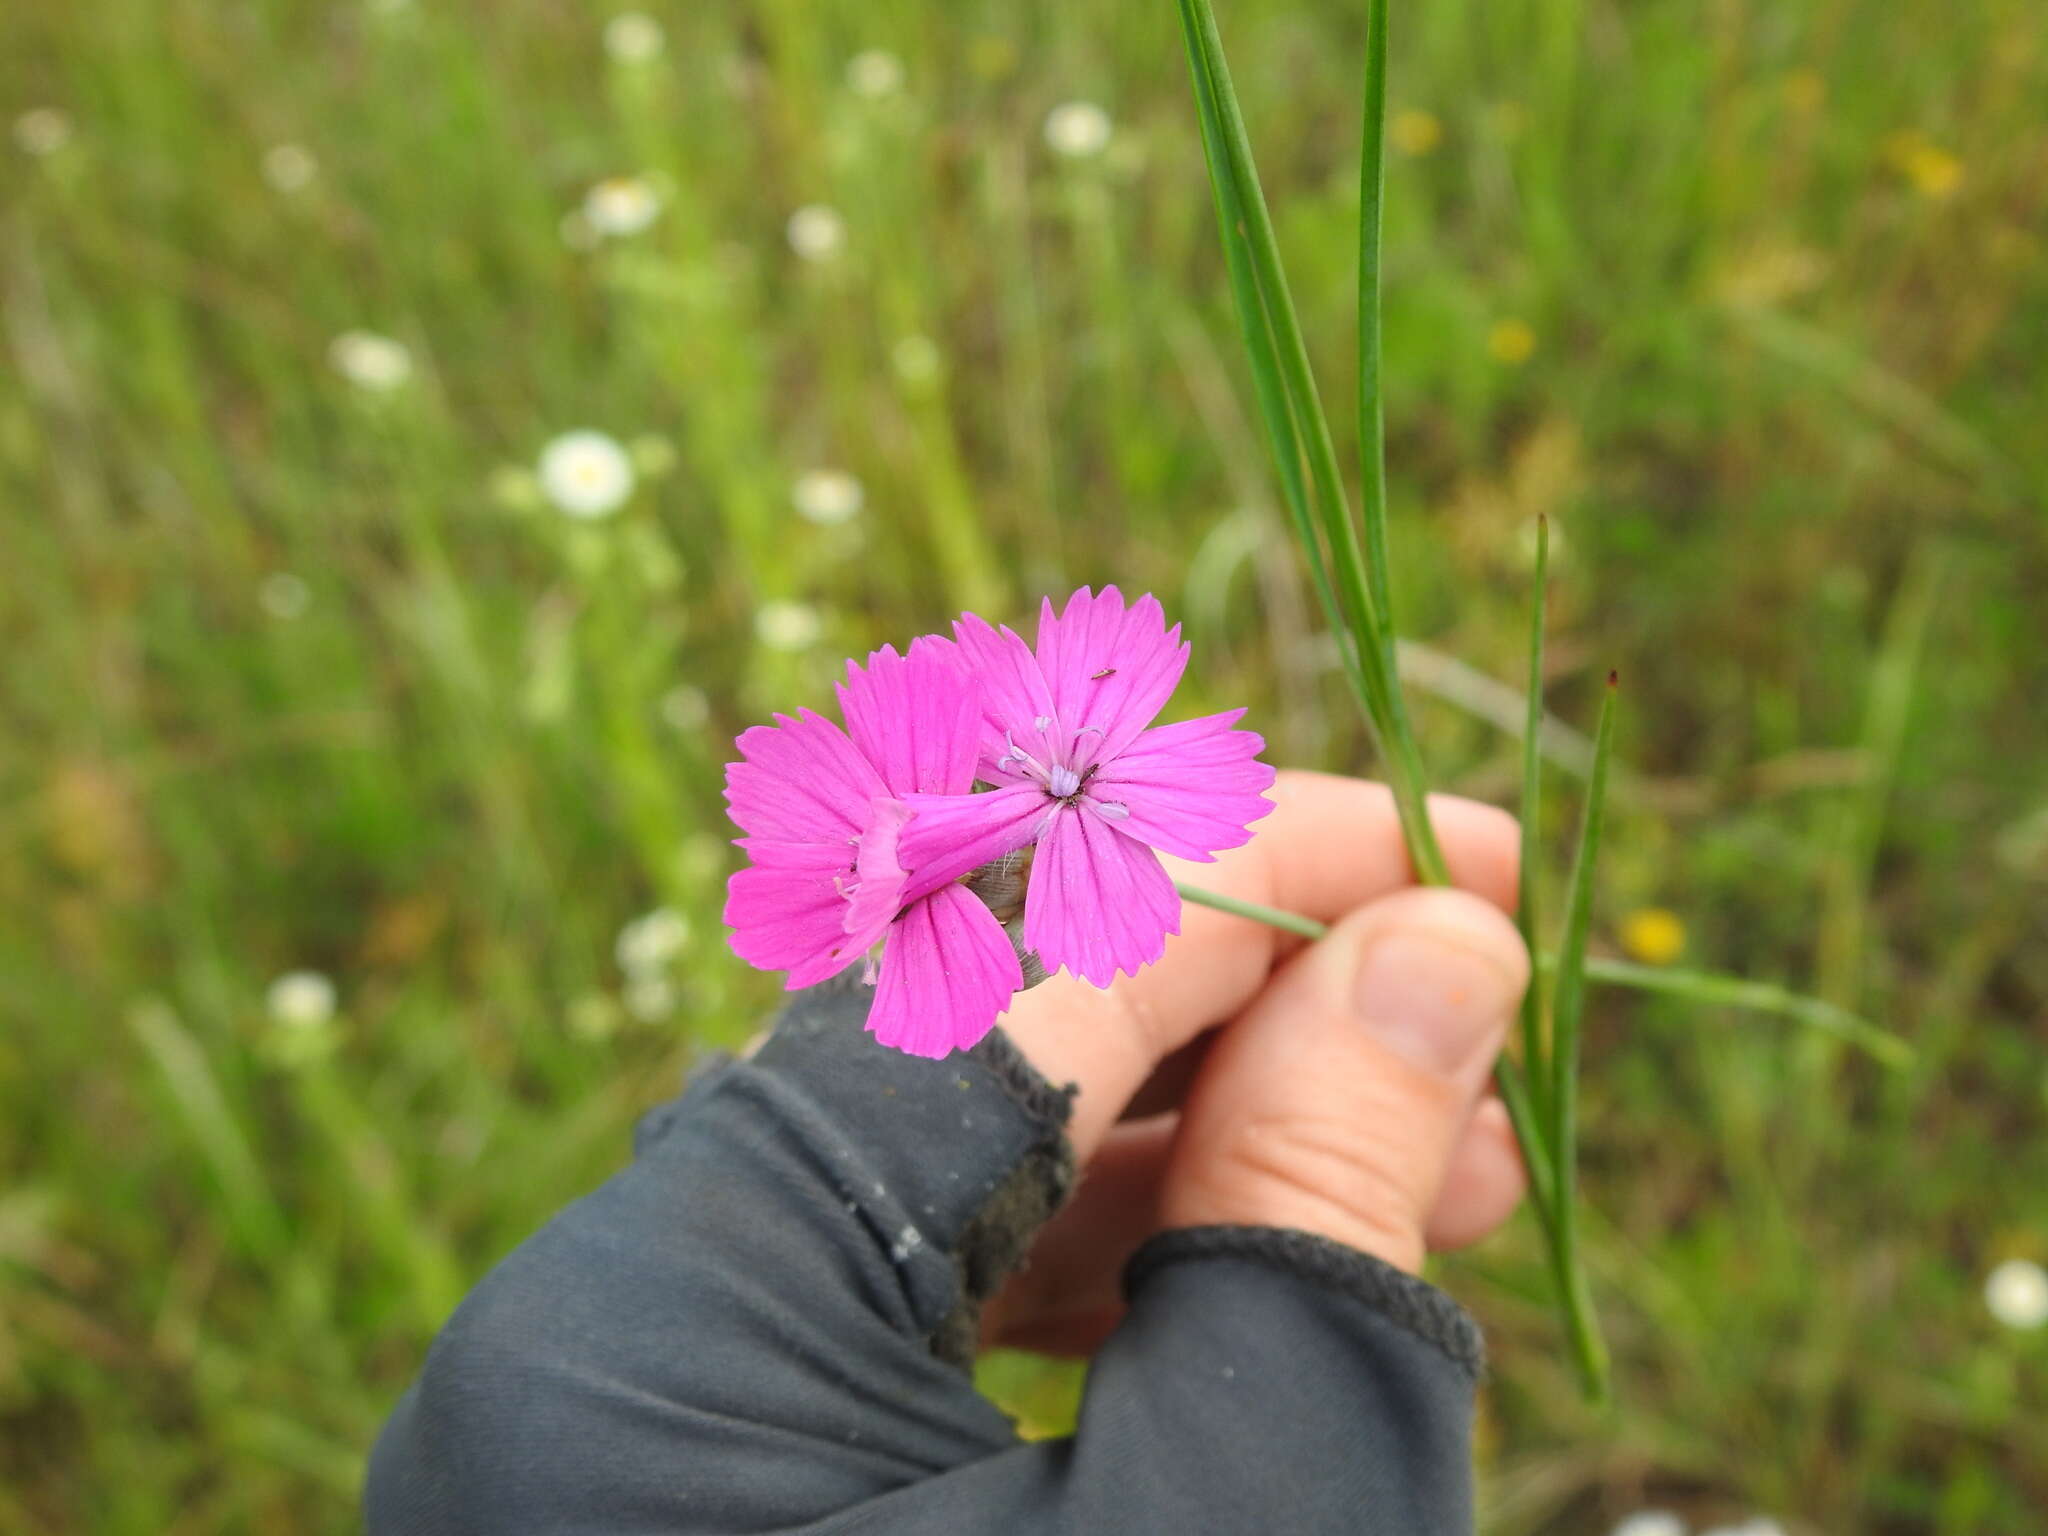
(806, 793)
(1080, 770)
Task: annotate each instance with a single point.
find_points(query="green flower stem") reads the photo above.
(1709, 987)
(1272, 917)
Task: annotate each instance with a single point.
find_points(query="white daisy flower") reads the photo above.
(788, 626)
(1079, 130)
(1650, 1522)
(647, 944)
(2016, 1292)
(283, 595)
(619, 206)
(586, 474)
(649, 999)
(369, 361)
(685, 709)
(634, 37)
(289, 168)
(1755, 1525)
(827, 497)
(816, 232)
(874, 73)
(42, 131)
(300, 1000)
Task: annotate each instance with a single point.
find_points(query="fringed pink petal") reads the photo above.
(1098, 902)
(948, 970)
(917, 718)
(951, 834)
(785, 911)
(1110, 669)
(1191, 789)
(800, 780)
(1014, 698)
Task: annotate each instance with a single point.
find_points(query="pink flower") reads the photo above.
(820, 807)
(1078, 772)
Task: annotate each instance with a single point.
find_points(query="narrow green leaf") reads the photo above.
(1715, 990)
(1852, 863)
(1567, 1005)
(210, 1121)
(1380, 690)
(1372, 416)
(1269, 392)
(1512, 1079)
(1529, 906)
(1569, 982)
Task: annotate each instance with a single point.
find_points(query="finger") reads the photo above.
(1335, 1103)
(1331, 844)
(1068, 1297)
(1483, 1184)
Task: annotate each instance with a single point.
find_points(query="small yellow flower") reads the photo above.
(1934, 172)
(1928, 168)
(1511, 341)
(1415, 132)
(1653, 935)
(1806, 91)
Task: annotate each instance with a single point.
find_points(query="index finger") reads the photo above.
(1331, 845)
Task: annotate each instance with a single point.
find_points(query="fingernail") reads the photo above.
(1433, 999)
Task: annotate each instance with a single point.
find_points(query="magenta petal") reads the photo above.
(1013, 695)
(1110, 669)
(917, 717)
(1098, 903)
(951, 834)
(875, 895)
(1191, 789)
(800, 780)
(948, 970)
(786, 912)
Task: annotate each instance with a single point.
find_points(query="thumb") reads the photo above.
(1336, 1100)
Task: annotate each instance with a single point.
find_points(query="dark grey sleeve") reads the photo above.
(764, 1323)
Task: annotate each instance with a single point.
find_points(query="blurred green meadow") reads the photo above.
(303, 670)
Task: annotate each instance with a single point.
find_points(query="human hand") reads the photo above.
(764, 1323)
(1342, 1094)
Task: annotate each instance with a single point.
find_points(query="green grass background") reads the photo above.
(1785, 272)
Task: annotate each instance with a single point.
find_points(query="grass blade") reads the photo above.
(1269, 392)
(1372, 415)
(1852, 865)
(211, 1123)
(1529, 905)
(1567, 1004)
(1512, 1079)
(1714, 990)
(1380, 690)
